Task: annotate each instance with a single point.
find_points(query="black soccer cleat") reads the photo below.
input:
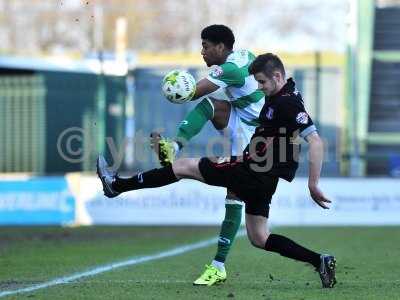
(327, 271)
(107, 177)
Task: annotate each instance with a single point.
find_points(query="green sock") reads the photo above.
(229, 228)
(195, 121)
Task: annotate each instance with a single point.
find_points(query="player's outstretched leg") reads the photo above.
(114, 185)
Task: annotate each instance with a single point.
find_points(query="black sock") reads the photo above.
(288, 248)
(150, 179)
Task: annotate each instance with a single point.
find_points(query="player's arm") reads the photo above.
(204, 87)
(316, 150)
(298, 119)
(219, 77)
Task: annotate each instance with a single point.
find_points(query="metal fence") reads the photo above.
(57, 122)
(22, 123)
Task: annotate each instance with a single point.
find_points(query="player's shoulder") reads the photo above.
(234, 64)
(234, 70)
(290, 100)
(239, 59)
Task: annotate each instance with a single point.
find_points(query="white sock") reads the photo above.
(176, 147)
(219, 265)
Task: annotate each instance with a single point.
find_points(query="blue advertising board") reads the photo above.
(36, 201)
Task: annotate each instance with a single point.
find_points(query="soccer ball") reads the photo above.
(178, 86)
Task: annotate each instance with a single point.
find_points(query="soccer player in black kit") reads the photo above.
(271, 155)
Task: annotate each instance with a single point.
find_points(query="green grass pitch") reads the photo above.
(368, 264)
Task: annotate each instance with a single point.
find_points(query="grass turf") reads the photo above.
(368, 264)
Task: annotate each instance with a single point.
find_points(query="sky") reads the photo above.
(297, 26)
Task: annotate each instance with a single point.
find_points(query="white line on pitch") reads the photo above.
(109, 267)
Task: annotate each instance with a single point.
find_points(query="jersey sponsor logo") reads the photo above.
(216, 71)
(270, 113)
(184, 122)
(302, 118)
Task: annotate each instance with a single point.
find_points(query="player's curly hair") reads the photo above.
(219, 34)
(267, 63)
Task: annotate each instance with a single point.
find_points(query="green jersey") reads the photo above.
(240, 87)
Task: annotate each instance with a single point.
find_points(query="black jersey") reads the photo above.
(274, 147)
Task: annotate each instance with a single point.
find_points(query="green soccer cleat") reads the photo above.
(164, 148)
(210, 276)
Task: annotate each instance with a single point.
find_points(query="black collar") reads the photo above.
(288, 88)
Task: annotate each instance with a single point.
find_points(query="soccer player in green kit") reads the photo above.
(236, 115)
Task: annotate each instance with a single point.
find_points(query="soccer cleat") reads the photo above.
(107, 177)
(327, 271)
(210, 276)
(164, 148)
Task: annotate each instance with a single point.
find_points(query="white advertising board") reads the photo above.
(354, 202)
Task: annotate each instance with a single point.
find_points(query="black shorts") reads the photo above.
(253, 188)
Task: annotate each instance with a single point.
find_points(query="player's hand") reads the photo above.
(155, 138)
(318, 196)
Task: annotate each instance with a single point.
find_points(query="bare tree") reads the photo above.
(69, 26)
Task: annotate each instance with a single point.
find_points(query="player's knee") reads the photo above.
(181, 167)
(185, 167)
(258, 240)
(222, 110)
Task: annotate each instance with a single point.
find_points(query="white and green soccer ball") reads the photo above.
(178, 86)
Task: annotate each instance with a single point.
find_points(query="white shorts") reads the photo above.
(237, 133)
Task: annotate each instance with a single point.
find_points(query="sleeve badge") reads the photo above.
(302, 118)
(216, 71)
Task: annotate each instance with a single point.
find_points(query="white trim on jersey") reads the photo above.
(220, 83)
